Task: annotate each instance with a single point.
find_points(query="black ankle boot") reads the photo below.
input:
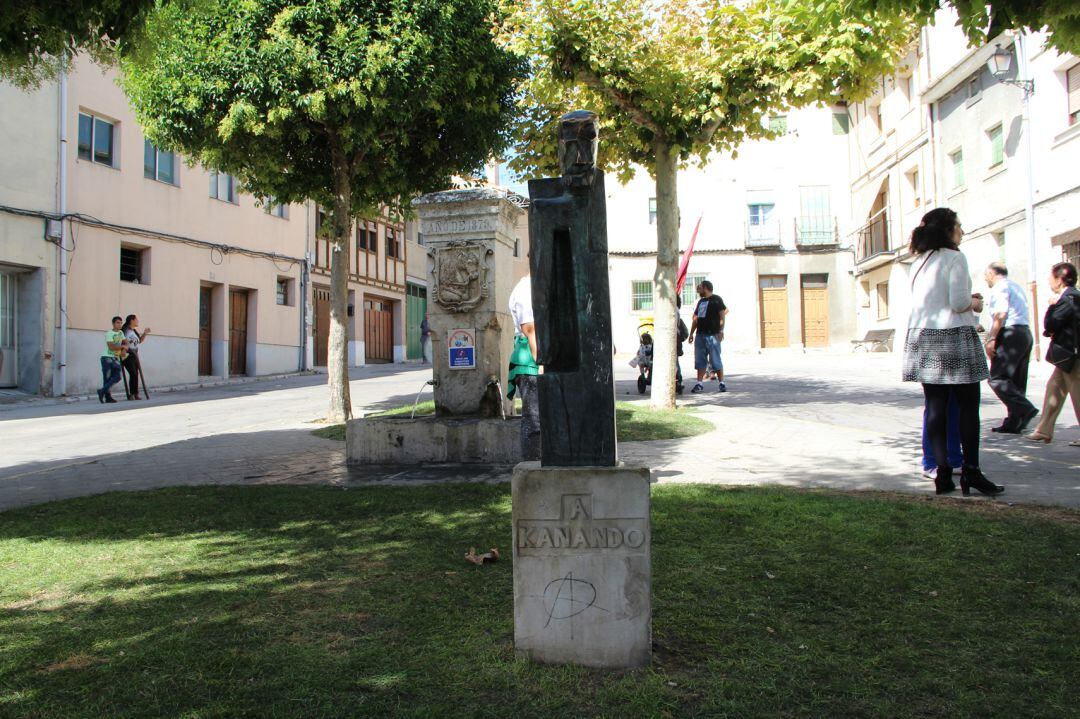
(972, 477)
(943, 483)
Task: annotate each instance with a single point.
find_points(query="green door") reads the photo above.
(415, 308)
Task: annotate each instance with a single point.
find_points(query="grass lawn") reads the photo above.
(633, 422)
(319, 602)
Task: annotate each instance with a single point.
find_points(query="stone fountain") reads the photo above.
(470, 239)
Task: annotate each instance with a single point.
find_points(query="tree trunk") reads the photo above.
(337, 361)
(667, 259)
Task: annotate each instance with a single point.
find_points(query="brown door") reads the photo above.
(378, 331)
(773, 298)
(238, 315)
(321, 329)
(815, 311)
(206, 362)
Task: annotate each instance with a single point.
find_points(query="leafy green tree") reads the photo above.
(36, 34)
(355, 104)
(685, 78)
(982, 20)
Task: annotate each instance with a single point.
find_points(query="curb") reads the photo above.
(36, 401)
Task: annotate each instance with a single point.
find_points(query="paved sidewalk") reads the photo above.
(811, 420)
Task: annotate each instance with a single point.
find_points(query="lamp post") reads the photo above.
(999, 64)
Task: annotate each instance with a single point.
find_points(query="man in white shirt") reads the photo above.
(1008, 345)
(523, 368)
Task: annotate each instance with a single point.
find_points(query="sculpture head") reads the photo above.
(577, 147)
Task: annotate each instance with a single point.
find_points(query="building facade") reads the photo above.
(945, 131)
(772, 240)
(229, 284)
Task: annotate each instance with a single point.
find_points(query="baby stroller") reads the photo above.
(644, 357)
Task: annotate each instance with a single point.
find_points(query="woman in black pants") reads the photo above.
(131, 362)
(942, 349)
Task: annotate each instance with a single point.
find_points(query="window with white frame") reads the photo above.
(760, 213)
(995, 137)
(97, 140)
(135, 264)
(689, 290)
(873, 112)
(285, 291)
(778, 124)
(914, 187)
(158, 164)
(641, 295)
(277, 209)
(956, 166)
(1072, 83)
(883, 301)
(652, 210)
(223, 186)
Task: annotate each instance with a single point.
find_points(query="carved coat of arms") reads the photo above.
(460, 276)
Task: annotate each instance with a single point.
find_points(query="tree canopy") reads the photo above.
(683, 78)
(408, 94)
(355, 104)
(35, 34)
(982, 20)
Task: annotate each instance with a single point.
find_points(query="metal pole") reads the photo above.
(1029, 209)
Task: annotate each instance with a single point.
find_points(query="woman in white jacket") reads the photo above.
(942, 349)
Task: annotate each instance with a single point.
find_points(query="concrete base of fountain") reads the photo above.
(433, 440)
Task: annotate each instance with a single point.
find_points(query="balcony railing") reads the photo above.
(766, 234)
(811, 231)
(873, 237)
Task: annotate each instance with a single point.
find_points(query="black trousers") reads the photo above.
(529, 391)
(131, 364)
(1009, 371)
(937, 416)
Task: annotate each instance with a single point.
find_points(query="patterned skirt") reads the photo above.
(950, 356)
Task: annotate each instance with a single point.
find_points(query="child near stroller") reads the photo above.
(643, 360)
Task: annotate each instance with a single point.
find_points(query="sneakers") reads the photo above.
(930, 473)
(722, 387)
(698, 388)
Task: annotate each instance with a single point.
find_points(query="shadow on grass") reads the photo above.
(286, 601)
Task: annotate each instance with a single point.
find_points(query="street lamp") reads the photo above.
(999, 64)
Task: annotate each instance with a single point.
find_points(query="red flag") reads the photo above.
(684, 265)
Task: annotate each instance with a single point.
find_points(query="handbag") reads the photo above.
(1063, 357)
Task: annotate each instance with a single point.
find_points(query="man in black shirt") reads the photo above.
(706, 333)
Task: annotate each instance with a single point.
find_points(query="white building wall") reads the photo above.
(774, 172)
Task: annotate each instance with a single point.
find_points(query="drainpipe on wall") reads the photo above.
(303, 311)
(62, 250)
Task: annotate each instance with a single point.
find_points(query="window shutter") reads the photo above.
(1074, 89)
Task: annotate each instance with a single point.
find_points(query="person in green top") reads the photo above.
(523, 368)
(115, 344)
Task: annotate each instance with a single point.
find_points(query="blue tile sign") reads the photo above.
(462, 349)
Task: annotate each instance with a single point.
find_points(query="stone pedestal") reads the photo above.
(470, 238)
(582, 571)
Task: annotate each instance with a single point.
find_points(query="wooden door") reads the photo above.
(378, 331)
(238, 322)
(815, 313)
(774, 304)
(206, 360)
(321, 329)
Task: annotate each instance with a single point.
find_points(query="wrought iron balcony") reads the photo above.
(814, 231)
(766, 234)
(873, 237)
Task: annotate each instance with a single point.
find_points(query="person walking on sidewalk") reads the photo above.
(523, 368)
(132, 363)
(706, 334)
(115, 344)
(1008, 346)
(425, 340)
(1062, 326)
(942, 351)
